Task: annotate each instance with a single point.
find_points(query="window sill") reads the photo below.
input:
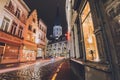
(95, 65)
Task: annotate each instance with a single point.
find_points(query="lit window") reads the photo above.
(33, 39)
(89, 36)
(28, 36)
(5, 24)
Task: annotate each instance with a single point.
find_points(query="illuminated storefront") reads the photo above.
(9, 48)
(29, 52)
(9, 53)
(97, 24)
(89, 36)
(39, 53)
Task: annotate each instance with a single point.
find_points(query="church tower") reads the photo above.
(57, 28)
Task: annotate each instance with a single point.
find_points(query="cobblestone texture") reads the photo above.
(34, 72)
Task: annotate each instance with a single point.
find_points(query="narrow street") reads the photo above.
(39, 70)
(59, 39)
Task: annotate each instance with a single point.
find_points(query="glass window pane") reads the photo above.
(89, 38)
(6, 26)
(3, 24)
(85, 11)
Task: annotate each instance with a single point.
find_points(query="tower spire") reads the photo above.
(57, 17)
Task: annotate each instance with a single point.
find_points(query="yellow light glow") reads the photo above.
(54, 76)
(89, 36)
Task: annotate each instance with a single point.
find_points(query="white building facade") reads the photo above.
(58, 49)
(41, 39)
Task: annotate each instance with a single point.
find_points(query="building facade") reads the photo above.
(13, 15)
(29, 43)
(41, 39)
(58, 49)
(95, 38)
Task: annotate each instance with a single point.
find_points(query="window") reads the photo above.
(20, 32)
(17, 14)
(39, 37)
(33, 39)
(30, 28)
(40, 26)
(5, 24)
(89, 36)
(10, 7)
(13, 28)
(34, 30)
(11, 52)
(34, 20)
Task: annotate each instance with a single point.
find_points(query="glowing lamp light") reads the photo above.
(90, 40)
(68, 36)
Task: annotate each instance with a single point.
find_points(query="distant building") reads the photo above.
(58, 49)
(58, 46)
(29, 43)
(41, 39)
(13, 15)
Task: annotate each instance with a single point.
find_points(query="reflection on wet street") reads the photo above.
(33, 72)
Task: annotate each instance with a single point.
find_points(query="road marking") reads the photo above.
(54, 76)
(58, 69)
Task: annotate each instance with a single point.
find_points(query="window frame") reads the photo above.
(89, 13)
(4, 22)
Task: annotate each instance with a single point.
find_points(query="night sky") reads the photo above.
(47, 12)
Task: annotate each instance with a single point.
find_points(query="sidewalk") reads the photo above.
(63, 72)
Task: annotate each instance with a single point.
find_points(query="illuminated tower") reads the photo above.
(57, 29)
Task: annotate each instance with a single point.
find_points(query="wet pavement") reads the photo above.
(64, 72)
(32, 72)
(38, 72)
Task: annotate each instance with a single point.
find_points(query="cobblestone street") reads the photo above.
(33, 72)
(43, 70)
